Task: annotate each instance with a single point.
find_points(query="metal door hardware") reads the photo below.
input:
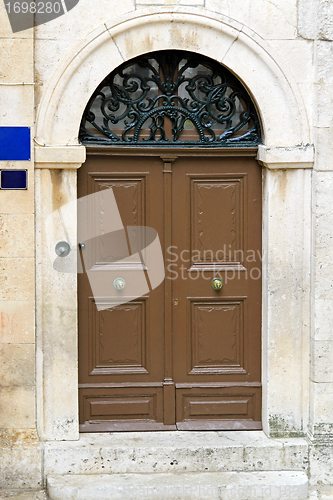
(119, 283)
(217, 283)
(62, 249)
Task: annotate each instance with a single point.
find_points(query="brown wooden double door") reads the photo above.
(183, 356)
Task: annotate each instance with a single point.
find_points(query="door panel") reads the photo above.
(121, 355)
(121, 408)
(119, 350)
(215, 350)
(217, 333)
(183, 355)
(200, 408)
(222, 197)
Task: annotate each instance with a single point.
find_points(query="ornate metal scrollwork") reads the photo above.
(171, 98)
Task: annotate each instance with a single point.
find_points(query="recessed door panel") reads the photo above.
(216, 339)
(121, 408)
(228, 408)
(115, 349)
(131, 194)
(221, 198)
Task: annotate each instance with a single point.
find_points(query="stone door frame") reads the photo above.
(286, 155)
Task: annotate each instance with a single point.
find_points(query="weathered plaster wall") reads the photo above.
(17, 296)
(20, 451)
(315, 23)
(56, 314)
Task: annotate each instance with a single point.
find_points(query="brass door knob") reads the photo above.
(217, 284)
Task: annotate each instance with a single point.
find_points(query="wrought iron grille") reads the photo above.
(171, 98)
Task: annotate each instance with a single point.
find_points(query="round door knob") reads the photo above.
(119, 283)
(217, 284)
(62, 249)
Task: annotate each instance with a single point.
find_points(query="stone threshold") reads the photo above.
(174, 452)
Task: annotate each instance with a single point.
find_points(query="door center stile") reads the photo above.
(169, 399)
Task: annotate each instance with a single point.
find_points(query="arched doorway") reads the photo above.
(174, 136)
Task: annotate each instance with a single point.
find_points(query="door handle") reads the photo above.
(217, 284)
(62, 249)
(119, 283)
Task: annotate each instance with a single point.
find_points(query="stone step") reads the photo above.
(286, 485)
(147, 452)
(22, 495)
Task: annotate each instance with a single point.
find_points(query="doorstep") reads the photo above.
(287, 485)
(181, 451)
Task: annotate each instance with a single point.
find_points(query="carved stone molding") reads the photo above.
(286, 157)
(59, 156)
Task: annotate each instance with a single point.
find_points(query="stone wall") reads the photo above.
(20, 454)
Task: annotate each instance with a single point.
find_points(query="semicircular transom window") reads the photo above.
(171, 98)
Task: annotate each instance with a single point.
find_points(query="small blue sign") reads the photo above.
(13, 179)
(15, 144)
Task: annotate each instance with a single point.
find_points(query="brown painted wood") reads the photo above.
(168, 385)
(217, 229)
(171, 152)
(123, 345)
(184, 356)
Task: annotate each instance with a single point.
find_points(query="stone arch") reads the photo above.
(286, 201)
(228, 42)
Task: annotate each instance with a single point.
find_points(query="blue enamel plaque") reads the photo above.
(15, 144)
(13, 179)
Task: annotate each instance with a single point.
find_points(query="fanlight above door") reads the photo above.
(171, 98)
